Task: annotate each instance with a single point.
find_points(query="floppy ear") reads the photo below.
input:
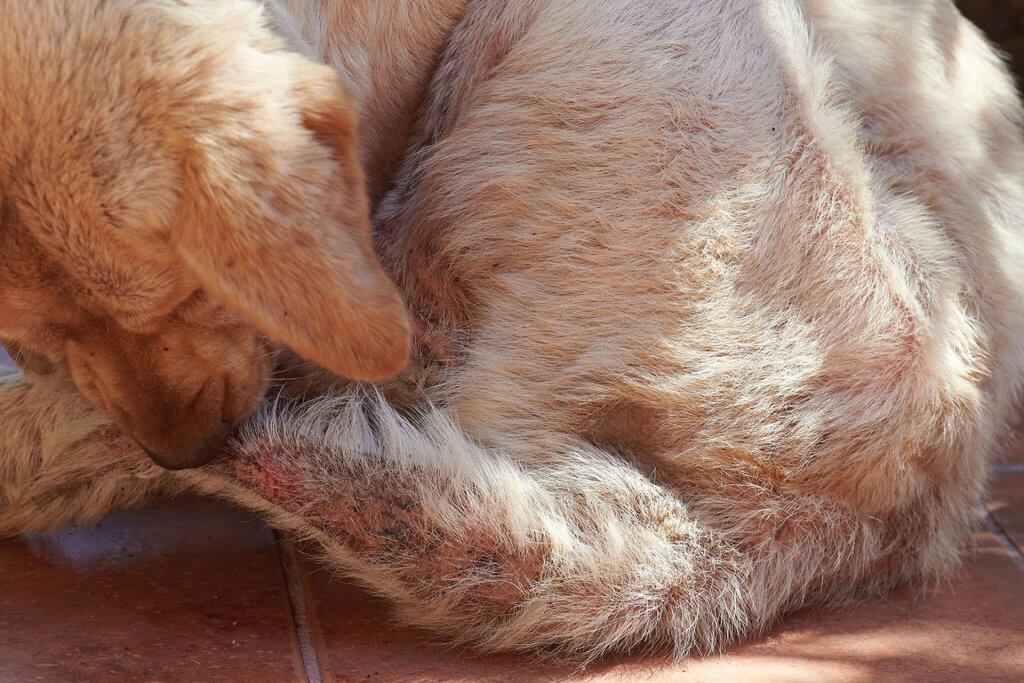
(276, 226)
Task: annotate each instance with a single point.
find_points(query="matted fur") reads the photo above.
(720, 313)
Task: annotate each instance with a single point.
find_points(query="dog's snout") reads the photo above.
(179, 405)
(182, 456)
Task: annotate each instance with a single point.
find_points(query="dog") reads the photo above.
(716, 308)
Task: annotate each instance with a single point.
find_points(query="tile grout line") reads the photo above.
(300, 615)
(1007, 543)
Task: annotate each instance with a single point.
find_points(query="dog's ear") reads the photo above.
(277, 229)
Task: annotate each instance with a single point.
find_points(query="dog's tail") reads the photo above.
(576, 557)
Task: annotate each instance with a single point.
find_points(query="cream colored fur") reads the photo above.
(721, 313)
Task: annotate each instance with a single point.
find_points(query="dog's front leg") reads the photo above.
(61, 461)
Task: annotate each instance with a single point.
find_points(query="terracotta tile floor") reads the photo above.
(190, 590)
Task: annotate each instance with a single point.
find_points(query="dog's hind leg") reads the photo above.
(61, 461)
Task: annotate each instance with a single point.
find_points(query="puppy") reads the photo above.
(718, 307)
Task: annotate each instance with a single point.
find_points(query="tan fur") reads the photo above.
(719, 312)
(150, 213)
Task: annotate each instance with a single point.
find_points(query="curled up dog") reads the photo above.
(685, 314)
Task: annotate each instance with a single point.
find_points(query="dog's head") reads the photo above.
(180, 197)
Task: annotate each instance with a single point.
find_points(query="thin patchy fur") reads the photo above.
(719, 310)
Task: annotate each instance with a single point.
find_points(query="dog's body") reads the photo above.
(719, 311)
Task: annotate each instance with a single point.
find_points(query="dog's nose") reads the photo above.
(188, 457)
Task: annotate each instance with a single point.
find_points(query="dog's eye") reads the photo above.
(193, 306)
(199, 309)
